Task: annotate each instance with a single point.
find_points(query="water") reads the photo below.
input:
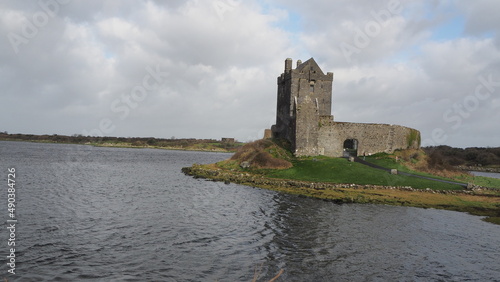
(108, 214)
(486, 174)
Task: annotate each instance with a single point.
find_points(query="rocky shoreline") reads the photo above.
(475, 200)
(478, 168)
(200, 171)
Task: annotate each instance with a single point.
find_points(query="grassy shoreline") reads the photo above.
(199, 149)
(481, 202)
(196, 147)
(267, 165)
(309, 177)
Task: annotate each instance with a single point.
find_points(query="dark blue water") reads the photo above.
(108, 214)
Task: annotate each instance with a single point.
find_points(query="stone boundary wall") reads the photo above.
(478, 168)
(372, 138)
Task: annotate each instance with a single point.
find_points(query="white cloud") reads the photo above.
(222, 58)
(481, 16)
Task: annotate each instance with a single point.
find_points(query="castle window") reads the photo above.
(311, 88)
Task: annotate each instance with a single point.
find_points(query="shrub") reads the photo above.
(413, 139)
(263, 154)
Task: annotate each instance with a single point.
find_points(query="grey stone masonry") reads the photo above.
(303, 117)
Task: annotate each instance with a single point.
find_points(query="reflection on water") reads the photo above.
(112, 214)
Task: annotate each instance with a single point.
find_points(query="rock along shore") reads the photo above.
(201, 171)
(478, 168)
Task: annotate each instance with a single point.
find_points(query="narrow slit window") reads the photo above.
(311, 85)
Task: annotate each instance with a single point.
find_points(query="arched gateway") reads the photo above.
(304, 119)
(350, 147)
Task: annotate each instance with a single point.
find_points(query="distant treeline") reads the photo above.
(133, 141)
(449, 156)
(441, 156)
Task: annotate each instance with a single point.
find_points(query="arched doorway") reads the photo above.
(350, 147)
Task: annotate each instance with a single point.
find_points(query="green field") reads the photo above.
(388, 162)
(266, 172)
(340, 170)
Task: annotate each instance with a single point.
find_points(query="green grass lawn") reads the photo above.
(481, 181)
(391, 163)
(340, 170)
(385, 161)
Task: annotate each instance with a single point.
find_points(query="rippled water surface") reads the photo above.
(486, 174)
(108, 214)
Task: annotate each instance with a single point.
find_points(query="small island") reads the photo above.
(309, 154)
(266, 164)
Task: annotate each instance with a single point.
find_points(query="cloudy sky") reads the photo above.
(207, 69)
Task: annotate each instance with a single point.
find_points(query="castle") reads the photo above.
(304, 118)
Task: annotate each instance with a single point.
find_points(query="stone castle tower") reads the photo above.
(304, 94)
(303, 117)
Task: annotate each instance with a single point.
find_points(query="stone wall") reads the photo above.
(268, 134)
(307, 127)
(371, 138)
(303, 117)
(294, 85)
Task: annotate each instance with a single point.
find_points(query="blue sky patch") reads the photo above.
(451, 29)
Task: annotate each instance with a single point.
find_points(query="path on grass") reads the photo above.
(359, 160)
